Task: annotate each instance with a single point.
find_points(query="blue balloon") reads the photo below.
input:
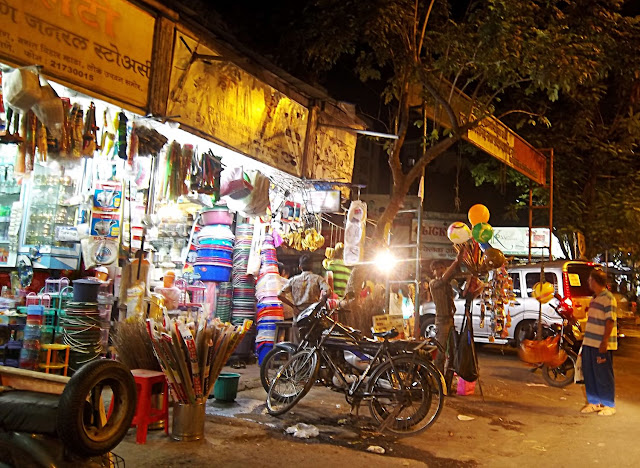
(485, 246)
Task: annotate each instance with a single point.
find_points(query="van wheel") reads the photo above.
(428, 327)
(524, 331)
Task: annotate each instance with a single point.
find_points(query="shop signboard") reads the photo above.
(103, 46)
(515, 241)
(491, 135)
(212, 95)
(323, 201)
(334, 152)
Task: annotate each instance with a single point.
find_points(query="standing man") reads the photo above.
(600, 339)
(341, 272)
(302, 290)
(442, 294)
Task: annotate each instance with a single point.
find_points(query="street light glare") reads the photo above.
(385, 261)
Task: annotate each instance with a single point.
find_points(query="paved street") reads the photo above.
(520, 421)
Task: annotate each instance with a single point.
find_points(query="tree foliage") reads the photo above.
(595, 132)
(426, 49)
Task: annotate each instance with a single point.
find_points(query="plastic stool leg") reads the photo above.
(142, 411)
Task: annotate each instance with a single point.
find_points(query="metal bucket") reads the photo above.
(188, 422)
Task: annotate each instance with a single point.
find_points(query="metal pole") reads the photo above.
(416, 301)
(550, 202)
(530, 217)
(542, 278)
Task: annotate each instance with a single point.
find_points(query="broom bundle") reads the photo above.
(192, 355)
(133, 345)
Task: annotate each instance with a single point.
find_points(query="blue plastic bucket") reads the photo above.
(213, 273)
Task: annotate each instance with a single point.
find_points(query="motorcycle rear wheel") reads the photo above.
(408, 390)
(562, 375)
(292, 382)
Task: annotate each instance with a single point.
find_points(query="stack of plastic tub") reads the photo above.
(214, 249)
(269, 306)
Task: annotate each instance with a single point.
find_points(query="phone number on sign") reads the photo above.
(72, 70)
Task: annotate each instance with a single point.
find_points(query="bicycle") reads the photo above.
(403, 388)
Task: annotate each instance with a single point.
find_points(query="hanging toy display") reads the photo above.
(121, 141)
(495, 300)
(90, 133)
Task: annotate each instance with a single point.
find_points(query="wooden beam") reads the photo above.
(21, 379)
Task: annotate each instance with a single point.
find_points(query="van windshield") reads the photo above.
(578, 279)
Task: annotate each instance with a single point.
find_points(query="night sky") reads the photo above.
(259, 25)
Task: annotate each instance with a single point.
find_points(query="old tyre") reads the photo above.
(81, 423)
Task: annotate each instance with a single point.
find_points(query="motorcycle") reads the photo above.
(570, 341)
(397, 378)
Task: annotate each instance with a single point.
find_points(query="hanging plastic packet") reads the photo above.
(135, 300)
(21, 88)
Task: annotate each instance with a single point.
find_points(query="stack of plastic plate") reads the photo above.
(244, 292)
(223, 301)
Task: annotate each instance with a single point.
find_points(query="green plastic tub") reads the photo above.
(226, 386)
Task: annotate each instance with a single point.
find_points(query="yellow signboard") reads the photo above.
(213, 95)
(491, 135)
(334, 155)
(104, 46)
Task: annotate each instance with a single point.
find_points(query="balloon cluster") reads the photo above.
(477, 254)
(495, 299)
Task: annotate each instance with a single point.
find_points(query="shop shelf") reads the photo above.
(14, 344)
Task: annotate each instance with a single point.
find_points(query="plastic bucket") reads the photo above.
(213, 273)
(226, 386)
(216, 216)
(188, 422)
(86, 290)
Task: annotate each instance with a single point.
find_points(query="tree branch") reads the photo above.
(415, 32)
(444, 103)
(518, 111)
(424, 27)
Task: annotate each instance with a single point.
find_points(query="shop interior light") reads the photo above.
(385, 261)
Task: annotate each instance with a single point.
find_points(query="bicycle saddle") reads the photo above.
(387, 334)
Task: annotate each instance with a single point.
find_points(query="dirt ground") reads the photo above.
(519, 422)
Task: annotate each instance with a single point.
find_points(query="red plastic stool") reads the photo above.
(145, 413)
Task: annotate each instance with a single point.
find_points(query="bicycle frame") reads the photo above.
(383, 350)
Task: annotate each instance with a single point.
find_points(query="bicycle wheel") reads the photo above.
(271, 364)
(406, 395)
(292, 382)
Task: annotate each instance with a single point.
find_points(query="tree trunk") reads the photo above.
(395, 203)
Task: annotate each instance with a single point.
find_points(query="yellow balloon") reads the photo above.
(478, 214)
(543, 292)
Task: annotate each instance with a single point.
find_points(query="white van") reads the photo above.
(569, 279)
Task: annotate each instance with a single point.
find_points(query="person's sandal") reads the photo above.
(607, 411)
(591, 408)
